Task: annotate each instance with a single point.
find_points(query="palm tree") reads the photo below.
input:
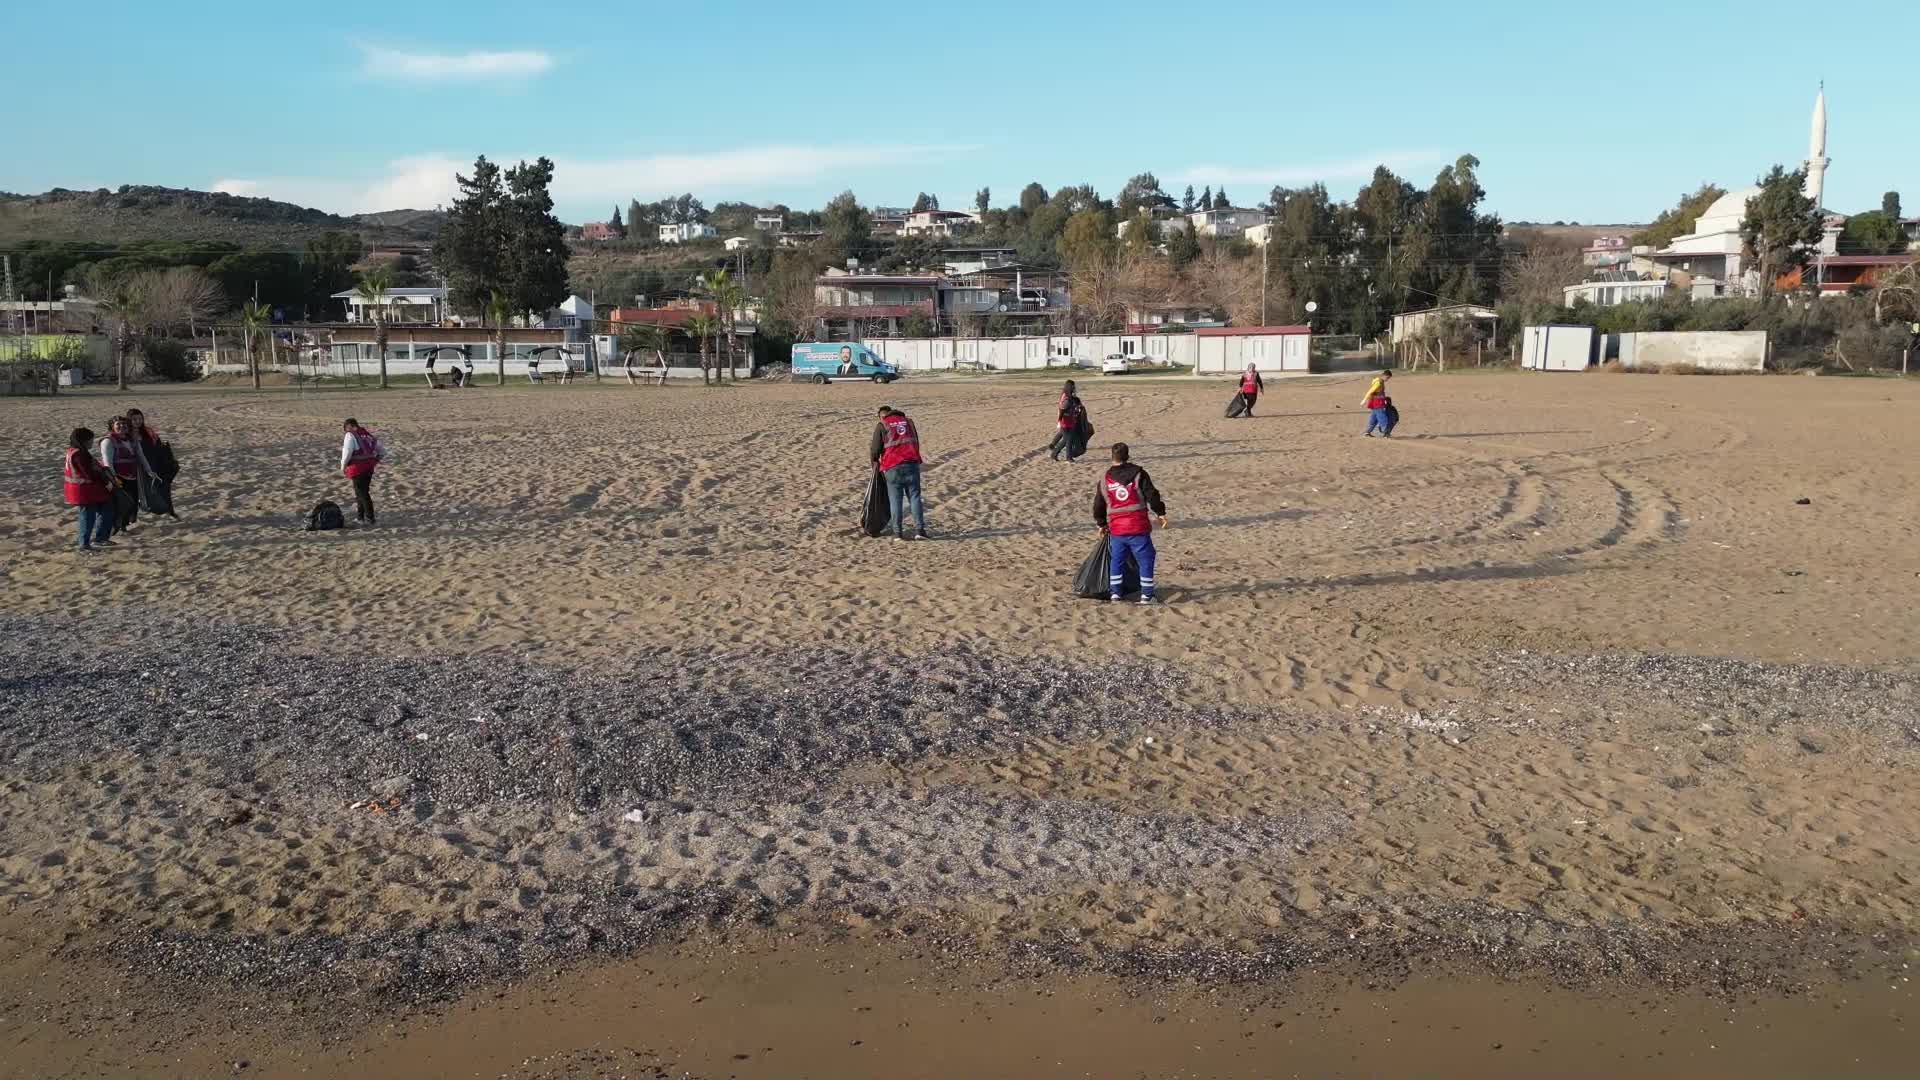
(642, 338)
(122, 299)
(257, 320)
(703, 326)
(375, 283)
(497, 311)
(727, 297)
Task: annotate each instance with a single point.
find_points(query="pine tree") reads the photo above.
(619, 227)
(1220, 200)
(1186, 200)
(1206, 197)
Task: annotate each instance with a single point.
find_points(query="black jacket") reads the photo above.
(1125, 474)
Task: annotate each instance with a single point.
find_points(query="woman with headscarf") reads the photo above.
(1250, 387)
(1070, 423)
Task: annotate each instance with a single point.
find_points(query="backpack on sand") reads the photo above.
(325, 515)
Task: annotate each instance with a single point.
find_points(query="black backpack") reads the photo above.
(325, 515)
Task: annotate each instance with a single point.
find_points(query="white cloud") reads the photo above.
(411, 65)
(584, 184)
(1354, 169)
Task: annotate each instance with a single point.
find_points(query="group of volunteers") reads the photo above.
(111, 478)
(1125, 504)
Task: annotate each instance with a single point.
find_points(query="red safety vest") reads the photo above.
(1126, 510)
(126, 460)
(1069, 413)
(901, 444)
(83, 486)
(1378, 401)
(1250, 383)
(365, 454)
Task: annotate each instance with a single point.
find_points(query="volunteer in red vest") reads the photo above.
(89, 486)
(120, 453)
(359, 454)
(1379, 407)
(1250, 387)
(896, 451)
(1121, 507)
(1070, 414)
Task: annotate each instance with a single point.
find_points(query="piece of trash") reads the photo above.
(421, 735)
(1803, 501)
(1794, 573)
(1149, 740)
(635, 815)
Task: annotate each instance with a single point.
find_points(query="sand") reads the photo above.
(1561, 679)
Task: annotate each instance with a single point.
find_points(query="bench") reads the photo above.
(647, 375)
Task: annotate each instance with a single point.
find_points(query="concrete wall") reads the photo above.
(1700, 350)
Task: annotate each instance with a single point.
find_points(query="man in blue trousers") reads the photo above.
(1121, 508)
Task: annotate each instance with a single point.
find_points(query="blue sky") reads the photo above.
(1587, 112)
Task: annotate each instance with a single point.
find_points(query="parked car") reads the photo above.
(1116, 364)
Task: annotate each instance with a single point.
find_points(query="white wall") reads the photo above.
(1030, 353)
(1227, 354)
(1704, 350)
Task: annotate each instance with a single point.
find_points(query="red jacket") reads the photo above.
(86, 481)
(899, 442)
(1250, 383)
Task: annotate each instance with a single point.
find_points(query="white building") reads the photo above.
(1167, 225)
(1259, 234)
(937, 222)
(395, 306)
(1608, 292)
(772, 223)
(687, 232)
(1714, 250)
(1225, 224)
(736, 243)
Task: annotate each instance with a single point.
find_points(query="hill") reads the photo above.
(136, 213)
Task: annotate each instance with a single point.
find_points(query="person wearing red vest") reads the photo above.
(1071, 416)
(89, 486)
(1120, 508)
(120, 453)
(1250, 387)
(1381, 414)
(895, 451)
(360, 453)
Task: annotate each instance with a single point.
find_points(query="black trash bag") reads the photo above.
(126, 507)
(876, 513)
(163, 462)
(1091, 582)
(1237, 407)
(1393, 417)
(1078, 438)
(325, 515)
(156, 495)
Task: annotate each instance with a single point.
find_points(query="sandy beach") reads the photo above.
(1590, 697)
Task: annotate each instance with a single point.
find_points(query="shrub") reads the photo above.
(167, 358)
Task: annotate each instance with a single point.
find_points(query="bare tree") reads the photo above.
(1227, 284)
(184, 296)
(1538, 276)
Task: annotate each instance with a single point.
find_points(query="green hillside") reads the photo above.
(137, 213)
